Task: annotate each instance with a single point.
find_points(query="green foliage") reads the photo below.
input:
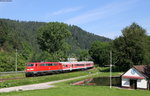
(131, 48)
(82, 39)
(3, 32)
(7, 62)
(84, 55)
(23, 35)
(51, 36)
(100, 52)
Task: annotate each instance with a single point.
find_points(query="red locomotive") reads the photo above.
(38, 68)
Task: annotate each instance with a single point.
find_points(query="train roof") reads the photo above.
(73, 62)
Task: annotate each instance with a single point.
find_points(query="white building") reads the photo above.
(72, 59)
(137, 77)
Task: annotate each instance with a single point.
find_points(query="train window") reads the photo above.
(79, 65)
(88, 64)
(65, 65)
(50, 65)
(55, 64)
(30, 65)
(43, 64)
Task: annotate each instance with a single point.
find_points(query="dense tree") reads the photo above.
(130, 48)
(99, 51)
(52, 36)
(3, 33)
(84, 55)
(84, 39)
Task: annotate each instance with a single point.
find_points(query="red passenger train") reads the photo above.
(39, 68)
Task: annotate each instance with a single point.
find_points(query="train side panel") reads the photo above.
(42, 68)
(56, 67)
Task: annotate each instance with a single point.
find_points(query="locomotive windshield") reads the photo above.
(30, 65)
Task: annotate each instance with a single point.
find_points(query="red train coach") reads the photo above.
(38, 68)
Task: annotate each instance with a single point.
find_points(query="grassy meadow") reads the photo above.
(65, 89)
(48, 78)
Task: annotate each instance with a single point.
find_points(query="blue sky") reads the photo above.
(102, 17)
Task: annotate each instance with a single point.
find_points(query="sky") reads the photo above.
(102, 17)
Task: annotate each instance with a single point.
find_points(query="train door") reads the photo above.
(59, 66)
(36, 67)
(71, 67)
(53, 66)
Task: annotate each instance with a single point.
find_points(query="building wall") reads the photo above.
(133, 72)
(141, 83)
(125, 82)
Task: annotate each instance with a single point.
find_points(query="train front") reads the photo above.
(31, 69)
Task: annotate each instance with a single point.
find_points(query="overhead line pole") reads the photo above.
(16, 60)
(110, 69)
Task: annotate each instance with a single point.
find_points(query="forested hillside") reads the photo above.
(22, 35)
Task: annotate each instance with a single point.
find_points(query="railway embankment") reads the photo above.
(40, 85)
(11, 82)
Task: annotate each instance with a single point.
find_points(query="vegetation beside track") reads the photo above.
(12, 75)
(65, 89)
(41, 79)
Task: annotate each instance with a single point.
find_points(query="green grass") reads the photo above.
(41, 79)
(65, 89)
(70, 90)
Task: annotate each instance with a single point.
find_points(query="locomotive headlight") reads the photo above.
(29, 69)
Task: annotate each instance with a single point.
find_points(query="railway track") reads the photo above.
(2, 80)
(16, 78)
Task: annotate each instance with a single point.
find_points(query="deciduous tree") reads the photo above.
(52, 36)
(130, 48)
(100, 52)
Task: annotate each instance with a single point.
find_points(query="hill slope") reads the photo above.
(21, 31)
(22, 35)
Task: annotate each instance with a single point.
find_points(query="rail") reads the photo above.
(12, 72)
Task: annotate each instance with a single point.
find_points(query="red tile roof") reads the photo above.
(133, 77)
(144, 69)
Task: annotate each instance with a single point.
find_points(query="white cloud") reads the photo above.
(102, 12)
(64, 11)
(60, 12)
